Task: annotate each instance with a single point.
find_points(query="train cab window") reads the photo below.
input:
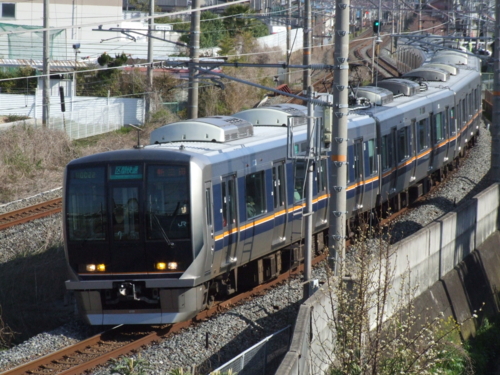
(403, 146)
(372, 157)
(255, 194)
(167, 203)
(86, 209)
(299, 180)
(423, 135)
(125, 213)
(438, 130)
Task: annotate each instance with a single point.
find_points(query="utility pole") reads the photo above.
(195, 59)
(307, 291)
(150, 58)
(337, 209)
(308, 32)
(288, 39)
(495, 126)
(46, 65)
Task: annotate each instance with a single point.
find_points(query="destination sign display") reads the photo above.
(126, 172)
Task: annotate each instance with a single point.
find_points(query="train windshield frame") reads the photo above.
(128, 202)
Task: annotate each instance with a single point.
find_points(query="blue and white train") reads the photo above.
(213, 205)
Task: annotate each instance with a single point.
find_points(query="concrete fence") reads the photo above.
(429, 255)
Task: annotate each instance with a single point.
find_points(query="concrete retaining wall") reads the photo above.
(450, 277)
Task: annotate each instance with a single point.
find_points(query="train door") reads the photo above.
(392, 155)
(210, 242)
(358, 173)
(371, 184)
(422, 148)
(454, 139)
(404, 159)
(127, 239)
(229, 219)
(387, 167)
(279, 202)
(321, 211)
(299, 195)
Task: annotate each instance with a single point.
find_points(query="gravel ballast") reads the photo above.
(234, 331)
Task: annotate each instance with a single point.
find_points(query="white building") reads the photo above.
(74, 22)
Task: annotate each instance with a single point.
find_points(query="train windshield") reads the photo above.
(86, 209)
(128, 205)
(167, 203)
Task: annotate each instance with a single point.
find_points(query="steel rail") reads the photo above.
(30, 213)
(63, 356)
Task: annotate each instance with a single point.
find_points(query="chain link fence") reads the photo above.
(91, 121)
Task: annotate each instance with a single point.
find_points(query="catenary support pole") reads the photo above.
(338, 176)
(309, 197)
(288, 39)
(46, 65)
(195, 58)
(495, 126)
(308, 32)
(150, 58)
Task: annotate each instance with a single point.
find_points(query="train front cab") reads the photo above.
(129, 241)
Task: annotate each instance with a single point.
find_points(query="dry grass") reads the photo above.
(32, 160)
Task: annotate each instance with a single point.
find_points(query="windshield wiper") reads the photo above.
(162, 231)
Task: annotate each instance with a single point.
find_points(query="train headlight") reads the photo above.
(95, 267)
(90, 267)
(161, 266)
(172, 265)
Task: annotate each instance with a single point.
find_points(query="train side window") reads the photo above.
(437, 128)
(457, 114)
(372, 157)
(228, 192)
(403, 148)
(446, 123)
(208, 207)
(384, 159)
(468, 106)
(322, 176)
(279, 185)
(464, 112)
(358, 160)
(255, 194)
(423, 134)
(452, 118)
(299, 192)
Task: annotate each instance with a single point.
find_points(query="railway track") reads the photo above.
(360, 53)
(122, 340)
(30, 213)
